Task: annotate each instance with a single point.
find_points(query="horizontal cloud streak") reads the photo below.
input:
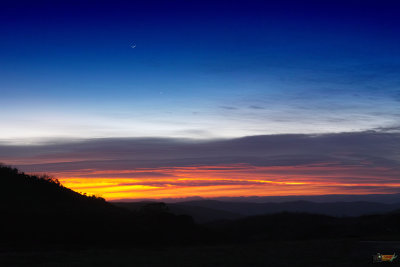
(363, 162)
(364, 148)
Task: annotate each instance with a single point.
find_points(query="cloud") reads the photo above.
(373, 148)
(255, 107)
(229, 107)
(394, 128)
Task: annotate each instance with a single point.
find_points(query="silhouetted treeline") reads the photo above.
(38, 209)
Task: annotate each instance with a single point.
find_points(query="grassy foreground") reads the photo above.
(282, 253)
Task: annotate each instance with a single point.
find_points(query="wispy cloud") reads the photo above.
(228, 107)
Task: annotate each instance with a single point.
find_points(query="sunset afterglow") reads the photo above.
(171, 99)
(230, 180)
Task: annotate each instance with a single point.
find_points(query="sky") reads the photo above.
(151, 99)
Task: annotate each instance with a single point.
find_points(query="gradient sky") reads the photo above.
(202, 72)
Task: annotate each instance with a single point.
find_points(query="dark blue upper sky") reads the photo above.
(199, 69)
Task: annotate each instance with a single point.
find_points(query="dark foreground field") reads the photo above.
(282, 253)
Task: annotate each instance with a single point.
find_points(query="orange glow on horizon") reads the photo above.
(229, 180)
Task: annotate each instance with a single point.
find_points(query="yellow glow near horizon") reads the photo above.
(228, 180)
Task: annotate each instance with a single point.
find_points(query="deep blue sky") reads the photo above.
(200, 69)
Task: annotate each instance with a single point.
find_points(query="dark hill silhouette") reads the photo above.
(203, 214)
(39, 209)
(296, 220)
(41, 194)
(198, 213)
(305, 226)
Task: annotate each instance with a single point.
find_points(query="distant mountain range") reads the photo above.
(205, 211)
(210, 210)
